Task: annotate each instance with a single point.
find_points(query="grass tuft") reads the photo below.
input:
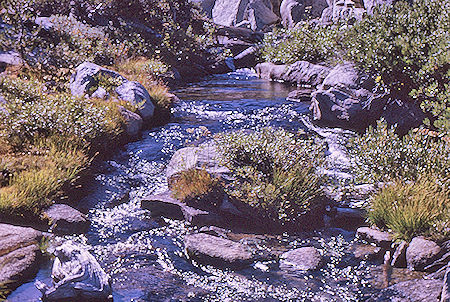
(412, 209)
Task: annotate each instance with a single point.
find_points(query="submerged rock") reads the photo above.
(217, 251)
(19, 253)
(77, 276)
(366, 252)
(410, 291)
(382, 239)
(420, 253)
(66, 220)
(301, 259)
(166, 206)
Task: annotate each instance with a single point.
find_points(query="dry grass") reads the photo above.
(193, 183)
(146, 72)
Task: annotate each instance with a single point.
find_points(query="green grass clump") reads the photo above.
(414, 208)
(381, 155)
(276, 173)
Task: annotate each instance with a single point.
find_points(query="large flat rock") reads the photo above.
(19, 253)
(217, 251)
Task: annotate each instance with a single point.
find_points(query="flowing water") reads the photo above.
(145, 257)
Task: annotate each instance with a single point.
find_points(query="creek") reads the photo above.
(145, 256)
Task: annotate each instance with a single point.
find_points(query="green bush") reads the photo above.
(306, 43)
(381, 155)
(276, 172)
(406, 45)
(412, 209)
(31, 114)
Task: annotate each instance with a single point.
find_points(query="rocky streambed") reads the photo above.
(154, 256)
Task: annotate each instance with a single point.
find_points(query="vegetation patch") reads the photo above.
(194, 184)
(47, 140)
(416, 208)
(403, 46)
(380, 155)
(276, 173)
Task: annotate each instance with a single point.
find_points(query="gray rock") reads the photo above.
(445, 294)
(399, 256)
(420, 253)
(260, 14)
(300, 73)
(19, 253)
(345, 99)
(301, 259)
(294, 11)
(133, 122)
(10, 58)
(382, 239)
(202, 157)
(256, 14)
(300, 95)
(217, 251)
(410, 291)
(76, 275)
(84, 80)
(66, 220)
(438, 264)
(166, 206)
(270, 71)
(370, 5)
(303, 72)
(137, 95)
(206, 5)
(229, 12)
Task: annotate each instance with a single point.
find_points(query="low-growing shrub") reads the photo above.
(39, 115)
(276, 173)
(381, 155)
(306, 43)
(413, 208)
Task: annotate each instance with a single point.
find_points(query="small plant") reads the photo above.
(412, 209)
(193, 184)
(381, 155)
(276, 172)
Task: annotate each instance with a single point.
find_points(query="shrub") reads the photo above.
(412, 209)
(276, 172)
(193, 184)
(307, 43)
(406, 45)
(381, 155)
(31, 114)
